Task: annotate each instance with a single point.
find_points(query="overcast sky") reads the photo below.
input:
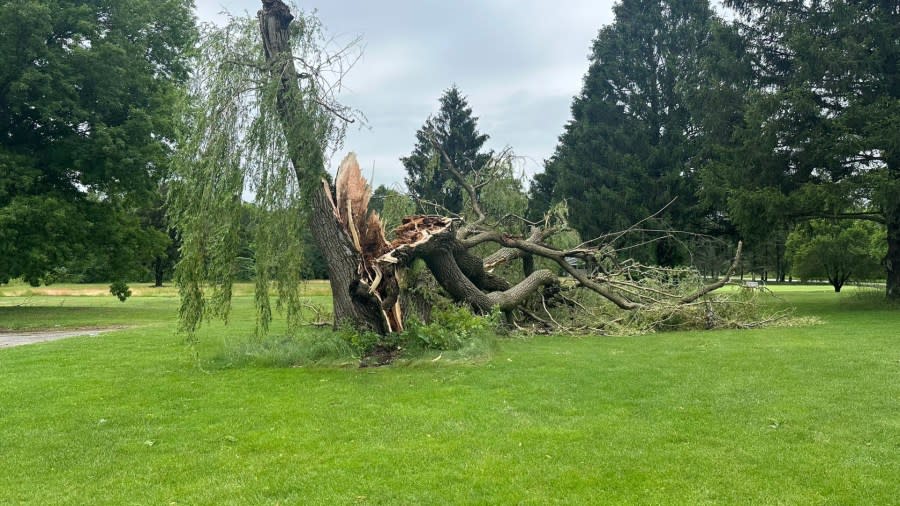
(518, 62)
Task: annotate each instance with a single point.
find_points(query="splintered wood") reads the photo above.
(351, 207)
(353, 194)
(378, 256)
(416, 230)
(413, 232)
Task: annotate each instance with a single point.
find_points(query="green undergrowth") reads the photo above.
(453, 335)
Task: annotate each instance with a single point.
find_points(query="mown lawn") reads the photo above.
(807, 415)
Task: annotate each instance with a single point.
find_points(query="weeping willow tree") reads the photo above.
(234, 144)
(263, 117)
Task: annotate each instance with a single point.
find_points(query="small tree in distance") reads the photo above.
(836, 250)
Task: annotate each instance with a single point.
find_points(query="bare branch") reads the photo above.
(460, 180)
(718, 284)
(617, 235)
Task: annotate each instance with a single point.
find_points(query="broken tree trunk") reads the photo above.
(354, 305)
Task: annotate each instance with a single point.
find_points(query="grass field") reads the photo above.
(804, 415)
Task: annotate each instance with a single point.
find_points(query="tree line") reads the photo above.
(777, 126)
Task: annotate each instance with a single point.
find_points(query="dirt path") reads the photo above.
(10, 338)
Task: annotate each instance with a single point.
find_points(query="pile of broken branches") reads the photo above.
(446, 247)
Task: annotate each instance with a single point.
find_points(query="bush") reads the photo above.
(360, 343)
(451, 328)
(62, 275)
(120, 289)
(453, 331)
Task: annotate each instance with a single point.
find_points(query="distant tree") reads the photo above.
(820, 133)
(126, 247)
(87, 91)
(252, 236)
(503, 195)
(630, 146)
(162, 265)
(379, 196)
(836, 250)
(456, 129)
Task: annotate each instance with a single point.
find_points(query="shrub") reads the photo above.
(360, 343)
(120, 289)
(451, 328)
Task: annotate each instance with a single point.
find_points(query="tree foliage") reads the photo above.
(456, 130)
(631, 145)
(86, 97)
(392, 206)
(837, 251)
(232, 142)
(820, 129)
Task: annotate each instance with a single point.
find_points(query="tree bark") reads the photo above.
(352, 304)
(473, 267)
(892, 259)
(158, 272)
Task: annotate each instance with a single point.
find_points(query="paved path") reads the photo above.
(10, 338)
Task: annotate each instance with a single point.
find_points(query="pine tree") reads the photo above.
(821, 135)
(629, 148)
(456, 130)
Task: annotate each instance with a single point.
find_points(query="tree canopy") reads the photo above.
(819, 135)
(630, 147)
(87, 91)
(836, 250)
(786, 114)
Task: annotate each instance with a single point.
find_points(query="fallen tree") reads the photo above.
(281, 148)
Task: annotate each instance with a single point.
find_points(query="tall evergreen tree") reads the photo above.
(456, 130)
(86, 97)
(821, 136)
(629, 148)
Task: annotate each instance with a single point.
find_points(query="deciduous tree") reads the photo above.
(86, 97)
(836, 250)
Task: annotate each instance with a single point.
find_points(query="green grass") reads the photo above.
(805, 415)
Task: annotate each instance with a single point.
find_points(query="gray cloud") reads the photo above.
(518, 62)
